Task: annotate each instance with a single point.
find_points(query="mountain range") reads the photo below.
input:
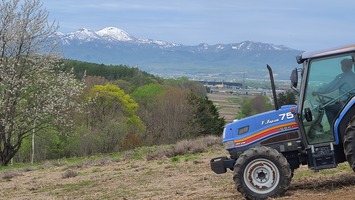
(218, 62)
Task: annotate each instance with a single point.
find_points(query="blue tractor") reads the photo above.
(265, 149)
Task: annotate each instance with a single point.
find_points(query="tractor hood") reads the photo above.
(256, 128)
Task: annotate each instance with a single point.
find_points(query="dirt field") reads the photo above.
(185, 178)
(227, 105)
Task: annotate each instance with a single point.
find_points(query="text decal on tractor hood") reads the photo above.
(282, 116)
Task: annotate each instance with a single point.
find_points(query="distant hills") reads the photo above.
(227, 62)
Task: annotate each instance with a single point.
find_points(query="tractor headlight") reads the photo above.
(229, 144)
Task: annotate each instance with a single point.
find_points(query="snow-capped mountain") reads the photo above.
(115, 34)
(83, 34)
(109, 34)
(86, 35)
(115, 46)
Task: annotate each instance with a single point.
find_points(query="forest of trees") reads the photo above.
(123, 108)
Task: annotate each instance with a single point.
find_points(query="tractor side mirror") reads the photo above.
(308, 114)
(294, 80)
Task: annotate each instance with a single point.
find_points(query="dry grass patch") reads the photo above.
(198, 145)
(69, 174)
(8, 175)
(193, 146)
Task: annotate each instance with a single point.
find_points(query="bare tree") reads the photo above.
(34, 93)
(170, 117)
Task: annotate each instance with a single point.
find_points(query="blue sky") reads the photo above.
(302, 24)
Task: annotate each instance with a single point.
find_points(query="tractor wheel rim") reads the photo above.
(261, 176)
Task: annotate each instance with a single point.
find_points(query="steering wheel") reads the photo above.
(324, 100)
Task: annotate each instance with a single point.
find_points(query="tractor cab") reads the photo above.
(328, 84)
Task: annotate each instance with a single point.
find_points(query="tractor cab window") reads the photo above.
(330, 82)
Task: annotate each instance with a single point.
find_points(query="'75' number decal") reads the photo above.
(288, 115)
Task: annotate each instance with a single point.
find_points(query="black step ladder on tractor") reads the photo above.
(322, 157)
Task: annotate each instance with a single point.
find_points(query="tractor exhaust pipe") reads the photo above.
(273, 87)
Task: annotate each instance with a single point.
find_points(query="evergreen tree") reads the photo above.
(287, 98)
(205, 116)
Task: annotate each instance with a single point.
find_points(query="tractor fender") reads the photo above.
(343, 120)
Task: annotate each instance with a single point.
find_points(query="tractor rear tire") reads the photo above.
(262, 172)
(349, 143)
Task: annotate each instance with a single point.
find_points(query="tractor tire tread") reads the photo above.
(349, 143)
(268, 153)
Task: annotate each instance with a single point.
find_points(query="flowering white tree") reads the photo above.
(34, 93)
